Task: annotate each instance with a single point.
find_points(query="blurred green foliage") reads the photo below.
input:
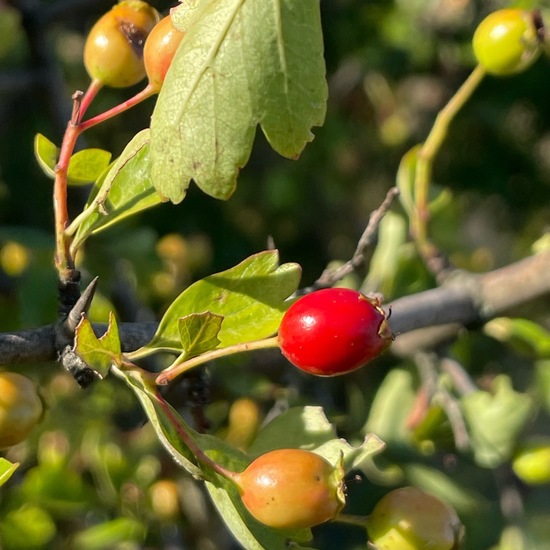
(89, 475)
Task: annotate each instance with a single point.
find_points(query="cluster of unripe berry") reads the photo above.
(130, 42)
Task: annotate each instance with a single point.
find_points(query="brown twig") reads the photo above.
(330, 276)
(420, 321)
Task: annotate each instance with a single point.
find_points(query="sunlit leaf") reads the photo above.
(242, 63)
(169, 427)
(98, 353)
(385, 262)
(304, 427)
(110, 534)
(46, 154)
(495, 420)
(125, 190)
(87, 165)
(250, 297)
(84, 166)
(199, 333)
(522, 334)
(27, 527)
(391, 406)
(309, 428)
(405, 179)
(7, 469)
(436, 482)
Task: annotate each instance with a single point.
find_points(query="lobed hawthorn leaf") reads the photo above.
(124, 190)
(168, 426)
(251, 298)
(98, 353)
(495, 420)
(85, 166)
(309, 428)
(242, 63)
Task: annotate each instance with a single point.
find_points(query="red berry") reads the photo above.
(159, 50)
(292, 489)
(333, 331)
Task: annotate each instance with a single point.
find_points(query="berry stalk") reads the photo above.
(427, 154)
(178, 368)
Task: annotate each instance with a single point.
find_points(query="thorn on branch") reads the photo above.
(65, 331)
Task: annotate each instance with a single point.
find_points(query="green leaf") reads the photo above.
(495, 420)
(165, 420)
(250, 533)
(522, 334)
(385, 262)
(199, 333)
(87, 165)
(436, 482)
(110, 534)
(405, 179)
(46, 154)
(242, 63)
(7, 469)
(250, 297)
(27, 527)
(391, 407)
(304, 427)
(99, 354)
(125, 190)
(169, 426)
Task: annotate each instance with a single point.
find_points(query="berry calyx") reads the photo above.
(507, 41)
(20, 408)
(333, 331)
(159, 50)
(113, 52)
(292, 489)
(410, 519)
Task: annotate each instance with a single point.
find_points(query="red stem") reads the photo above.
(200, 455)
(64, 260)
(147, 92)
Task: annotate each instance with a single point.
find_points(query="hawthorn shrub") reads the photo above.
(264, 152)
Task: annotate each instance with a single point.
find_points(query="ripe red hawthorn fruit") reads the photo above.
(113, 51)
(292, 489)
(333, 331)
(20, 408)
(410, 519)
(159, 50)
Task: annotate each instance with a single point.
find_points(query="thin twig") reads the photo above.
(330, 276)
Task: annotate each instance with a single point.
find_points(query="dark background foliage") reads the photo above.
(89, 473)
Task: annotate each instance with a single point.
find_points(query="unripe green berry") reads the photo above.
(532, 462)
(410, 519)
(507, 41)
(113, 52)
